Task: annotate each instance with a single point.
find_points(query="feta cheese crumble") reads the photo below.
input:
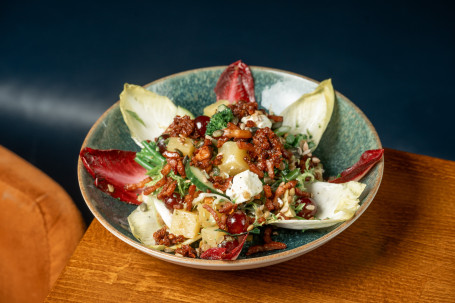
(259, 119)
(244, 187)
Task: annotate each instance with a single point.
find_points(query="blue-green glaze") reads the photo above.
(348, 135)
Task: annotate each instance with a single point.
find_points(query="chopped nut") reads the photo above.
(292, 191)
(305, 146)
(110, 188)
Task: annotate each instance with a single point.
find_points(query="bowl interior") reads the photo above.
(348, 135)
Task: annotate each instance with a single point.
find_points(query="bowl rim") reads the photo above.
(242, 263)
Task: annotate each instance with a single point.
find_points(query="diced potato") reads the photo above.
(211, 236)
(185, 223)
(211, 109)
(205, 218)
(233, 159)
(186, 147)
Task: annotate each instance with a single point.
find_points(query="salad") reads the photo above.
(204, 185)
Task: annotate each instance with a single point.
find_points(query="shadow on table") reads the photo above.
(373, 246)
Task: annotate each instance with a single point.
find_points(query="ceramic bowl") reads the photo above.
(348, 135)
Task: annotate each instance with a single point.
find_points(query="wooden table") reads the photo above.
(401, 249)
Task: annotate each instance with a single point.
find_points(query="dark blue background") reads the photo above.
(63, 64)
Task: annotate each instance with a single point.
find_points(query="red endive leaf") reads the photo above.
(220, 253)
(358, 170)
(116, 168)
(236, 83)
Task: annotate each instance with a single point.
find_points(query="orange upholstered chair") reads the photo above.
(39, 229)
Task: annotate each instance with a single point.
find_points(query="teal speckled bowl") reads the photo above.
(348, 135)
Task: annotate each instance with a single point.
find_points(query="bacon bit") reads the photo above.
(181, 126)
(150, 189)
(242, 109)
(203, 153)
(250, 124)
(167, 190)
(218, 160)
(221, 183)
(215, 216)
(181, 168)
(267, 146)
(268, 191)
(245, 145)
(233, 131)
(270, 171)
(282, 188)
(266, 247)
(269, 205)
(202, 156)
(276, 204)
(269, 244)
(275, 118)
(255, 169)
(163, 237)
(185, 251)
(171, 155)
(302, 193)
(228, 208)
(166, 169)
(134, 186)
(268, 235)
(175, 161)
(190, 197)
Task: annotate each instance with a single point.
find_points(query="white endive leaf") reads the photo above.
(336, 203)
(146, 113)
(162, 210)
(144, 223)
(312, 112)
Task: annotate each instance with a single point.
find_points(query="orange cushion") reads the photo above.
(39, 229)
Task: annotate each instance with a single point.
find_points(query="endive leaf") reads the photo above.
(146, 113)
(336, 203)
(312, 112)
(143, 223)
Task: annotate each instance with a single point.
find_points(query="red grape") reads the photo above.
(201, 124)
(309, 209)
(237, 222)
(173, 201)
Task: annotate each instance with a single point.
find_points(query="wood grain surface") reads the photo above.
(402, 249)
